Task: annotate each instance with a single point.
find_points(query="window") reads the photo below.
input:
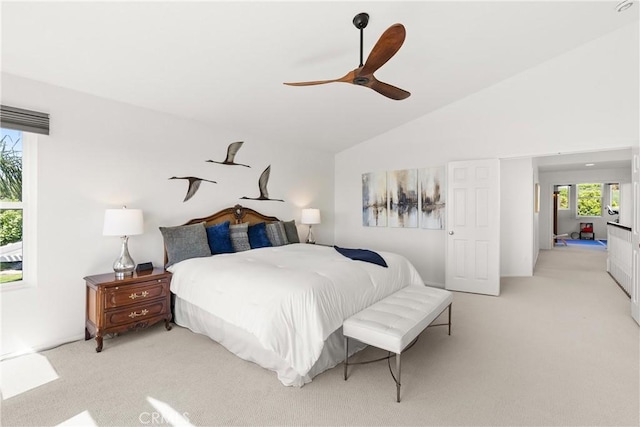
(589, 200)
(17, 225)
(564, 194)
(614, 196)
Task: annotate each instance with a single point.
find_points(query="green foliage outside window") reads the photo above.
(10, 186)
(589, 199)
(563, 197)
(615, 195)
(10, 169)
(10, 226)
(10, 192)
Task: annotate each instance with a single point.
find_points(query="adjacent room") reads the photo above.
(320, 213)
(592, 190)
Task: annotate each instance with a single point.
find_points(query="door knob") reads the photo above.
(451, 233)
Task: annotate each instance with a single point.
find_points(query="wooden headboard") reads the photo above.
(236, 215)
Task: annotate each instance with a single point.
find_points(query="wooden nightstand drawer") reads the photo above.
(126, 295)
(121, 305)
(135, 313)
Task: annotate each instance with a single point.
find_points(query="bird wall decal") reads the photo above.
(262, 184)
(231, 155)
(194, 184)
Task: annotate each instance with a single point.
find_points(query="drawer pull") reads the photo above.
(143, 294)
(134, 314)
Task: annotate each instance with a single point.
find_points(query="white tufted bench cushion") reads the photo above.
(394, 322)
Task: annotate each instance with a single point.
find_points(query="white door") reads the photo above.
(635, 237)
(473, 223)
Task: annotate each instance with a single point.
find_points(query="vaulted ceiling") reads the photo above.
(223, 63)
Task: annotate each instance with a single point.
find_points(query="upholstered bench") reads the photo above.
(561, 238)
(393, 323)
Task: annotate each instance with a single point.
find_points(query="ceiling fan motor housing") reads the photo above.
(361, 20)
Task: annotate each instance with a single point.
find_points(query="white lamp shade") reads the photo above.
(310, 216)
(122, 222)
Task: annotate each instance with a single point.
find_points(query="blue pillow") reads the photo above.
(219, 240)
(258, 236)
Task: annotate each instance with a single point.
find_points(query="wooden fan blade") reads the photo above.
(318, 82)
(388, 44)
(348, 78)
(388, 90)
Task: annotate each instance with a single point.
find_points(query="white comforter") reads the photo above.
(291, 298)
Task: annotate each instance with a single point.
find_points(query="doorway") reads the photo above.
(563, 174)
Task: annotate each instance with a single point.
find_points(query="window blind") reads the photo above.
(24, 120)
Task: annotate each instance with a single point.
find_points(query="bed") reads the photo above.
(281, 307)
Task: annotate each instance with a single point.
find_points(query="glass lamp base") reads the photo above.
(310, 237)
(124, 265)
(123, 274)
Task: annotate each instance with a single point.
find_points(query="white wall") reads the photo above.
(103, 154)
(626, 207)
(567, 221)
(516, 217)
(586, 99)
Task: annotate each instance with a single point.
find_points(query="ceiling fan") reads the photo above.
(388, 45)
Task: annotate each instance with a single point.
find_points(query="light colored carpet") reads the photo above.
(557, 349)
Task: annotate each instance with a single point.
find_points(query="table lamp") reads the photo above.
(124, 223)
(309, 217)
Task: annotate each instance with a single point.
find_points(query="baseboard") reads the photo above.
(618, 283)
(504, 276)
(434, 285)
(42, 347)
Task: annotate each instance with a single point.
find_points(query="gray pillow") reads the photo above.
(292, 231)
(185, 242)
(239, 237)
(276, 233)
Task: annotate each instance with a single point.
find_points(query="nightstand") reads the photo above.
(119, 305)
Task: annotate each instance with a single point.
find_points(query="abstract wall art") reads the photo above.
(402, 190)
(433, 195)
(374, 199)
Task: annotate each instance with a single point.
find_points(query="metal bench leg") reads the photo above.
(398, 380)
(450, 305)
(346, 356)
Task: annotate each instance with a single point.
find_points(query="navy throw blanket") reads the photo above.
(362, 255)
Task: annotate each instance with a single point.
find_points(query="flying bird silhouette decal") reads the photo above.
(262, 184)
(232, 150)
(194, 184)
